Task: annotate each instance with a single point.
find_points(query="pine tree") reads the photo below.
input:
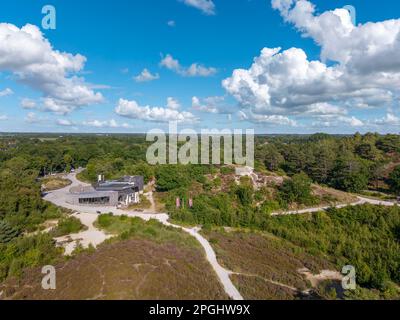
(394, 180)
(7, 232)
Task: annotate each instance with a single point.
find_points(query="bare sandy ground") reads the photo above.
(91, 236)
(315, 279)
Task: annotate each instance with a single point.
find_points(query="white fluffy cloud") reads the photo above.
(206, 6)
(363, 69)
(173, 103)
(389, 120)
(65, 123)
(6, 92)
(287, 82)
(105, 124)
(366, 48)
(32, 117)
(30, 57)
(131, 109)
(28, 103)
(93, 123)
(146, 76)
(170, 63)
(277, 120)
(204, 107)
(3, 117)
(195, 69)
(337, 121)
(325, 109)
(214, 105)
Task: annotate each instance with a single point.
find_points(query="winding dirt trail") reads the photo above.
(149, 196)
(361, 201)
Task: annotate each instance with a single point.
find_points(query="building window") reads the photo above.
(99, 200)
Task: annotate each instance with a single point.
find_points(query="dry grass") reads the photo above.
(55, 183)
(330, 196)
(142, 205)
(133, 270)
(253, 288)
(388, 169)
(159, 200)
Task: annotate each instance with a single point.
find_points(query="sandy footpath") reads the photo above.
(361, 201)
(91, 236)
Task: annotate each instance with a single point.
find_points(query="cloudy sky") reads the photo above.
(280, 66)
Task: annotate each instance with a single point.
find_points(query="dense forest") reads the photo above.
(346, 163)
(365, 236)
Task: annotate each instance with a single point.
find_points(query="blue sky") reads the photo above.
(120, 39)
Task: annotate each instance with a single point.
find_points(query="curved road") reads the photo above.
(88, 216)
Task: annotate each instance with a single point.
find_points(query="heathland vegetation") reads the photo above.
(297, 172)
(144, 260)
(366, 237)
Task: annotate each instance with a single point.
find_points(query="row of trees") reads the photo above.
(62, 154)
(22, 211)
(346, 163)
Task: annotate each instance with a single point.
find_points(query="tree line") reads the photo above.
(350, 163)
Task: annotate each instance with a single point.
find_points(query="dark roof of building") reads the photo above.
(113, 186)
(130, 179)
(124, 184)
(138, 181)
